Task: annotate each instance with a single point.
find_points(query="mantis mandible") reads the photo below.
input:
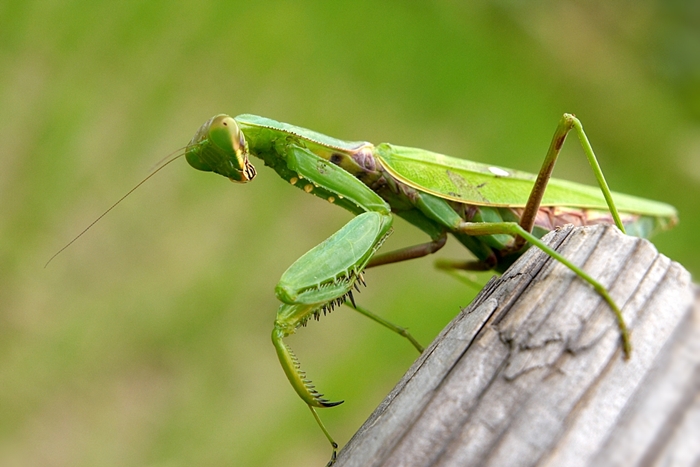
(495, 212)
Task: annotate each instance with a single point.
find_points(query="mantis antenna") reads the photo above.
(164, 162)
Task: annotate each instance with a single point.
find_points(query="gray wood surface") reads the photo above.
(531, 373)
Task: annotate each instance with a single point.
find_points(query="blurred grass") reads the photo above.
(147, 342)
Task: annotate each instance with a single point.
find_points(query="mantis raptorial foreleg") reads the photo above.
(317, 282)
(326, 275)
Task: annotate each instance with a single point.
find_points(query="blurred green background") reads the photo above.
(147, 342)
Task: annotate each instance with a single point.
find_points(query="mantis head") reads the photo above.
(219, 146)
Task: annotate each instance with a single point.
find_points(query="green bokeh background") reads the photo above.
(147, 342)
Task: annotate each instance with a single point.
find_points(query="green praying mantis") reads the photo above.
(495, 212)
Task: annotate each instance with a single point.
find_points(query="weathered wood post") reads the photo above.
(532, 373)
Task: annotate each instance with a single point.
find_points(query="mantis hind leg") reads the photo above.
(566, 124)
(454, 268)
(512, 228)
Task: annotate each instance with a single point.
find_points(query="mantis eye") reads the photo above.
(225, 133)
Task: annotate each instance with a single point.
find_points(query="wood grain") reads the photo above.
(531, 373)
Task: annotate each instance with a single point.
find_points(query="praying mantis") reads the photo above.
(495, 212)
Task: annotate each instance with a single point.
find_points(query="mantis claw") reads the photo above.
(290, 363)
(334, 455)
(352, 299)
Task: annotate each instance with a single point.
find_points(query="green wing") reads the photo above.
(481, 184)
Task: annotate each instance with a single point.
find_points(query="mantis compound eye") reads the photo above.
(226, 135)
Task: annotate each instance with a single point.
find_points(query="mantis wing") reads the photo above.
(484, 185)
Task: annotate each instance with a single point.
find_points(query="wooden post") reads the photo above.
(532, 373)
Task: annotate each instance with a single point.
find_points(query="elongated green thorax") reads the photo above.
(219, 146)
